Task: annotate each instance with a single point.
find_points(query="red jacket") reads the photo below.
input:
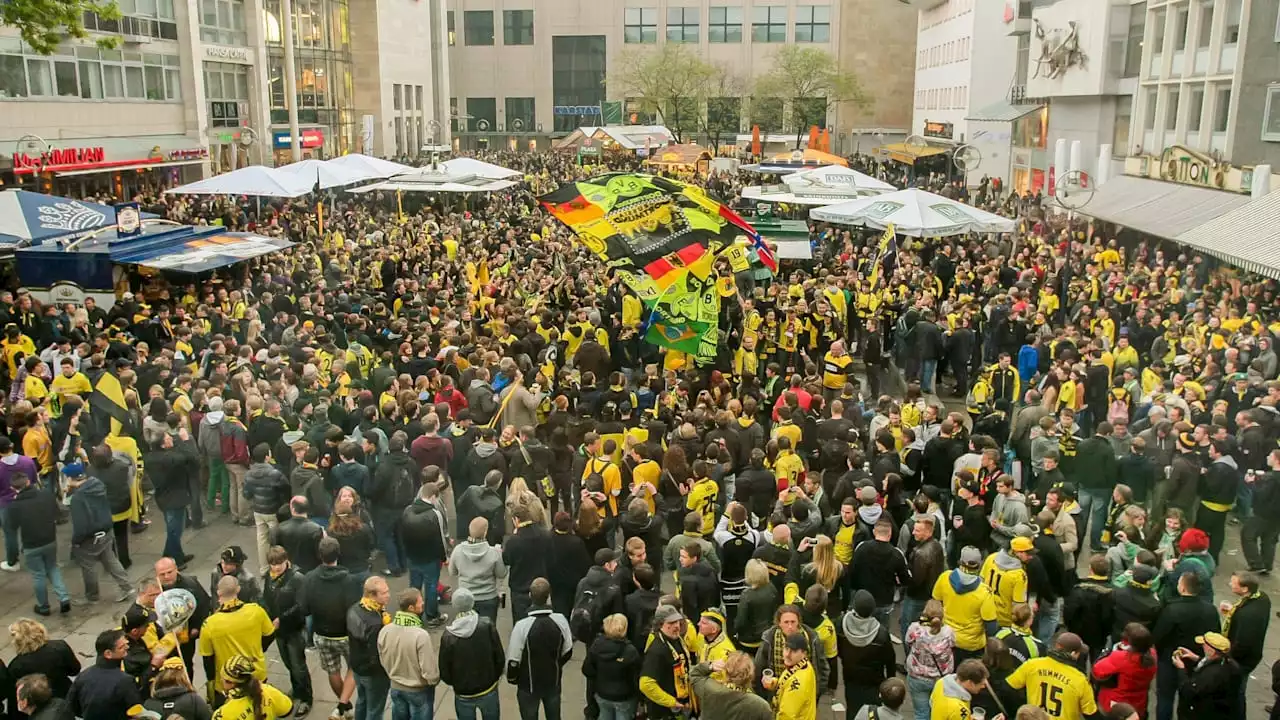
(457, 401)
(1131, 678)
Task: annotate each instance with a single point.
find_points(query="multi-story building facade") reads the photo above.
(197, 87)
(523, 72)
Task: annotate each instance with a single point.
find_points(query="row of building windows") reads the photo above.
(87, 73)
(222, 22)
(725, 24)
(640, 25)
(518, 114)
(944, 54)
(947, 11)
(478, 27)
(1192, 103)
(226, 91)
(406, 97)
(947, 98)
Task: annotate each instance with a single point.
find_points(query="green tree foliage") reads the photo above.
(813, 82)
(46, 23)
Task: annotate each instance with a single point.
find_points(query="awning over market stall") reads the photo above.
(909, 154)
(1165, 210)
(689, 156)
(479, 168)
(807, 156)
(371, 167)
(325, 173)
(32, 218)
(200, 253)
(820, 186)
(436, 179)
(1247, 237)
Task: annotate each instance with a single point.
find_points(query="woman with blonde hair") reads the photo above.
(930, 649)
(349, 526)
(520, 496)
(36, 653)
(173, 696)
(613, 667)
(591, 528)
(824, 570)
(756, 606)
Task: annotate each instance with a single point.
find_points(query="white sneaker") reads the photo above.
(5, 566)
(896, 640)
(837, 706)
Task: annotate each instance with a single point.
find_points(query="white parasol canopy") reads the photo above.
(480, 168)
(826, 185)
(253, 180)
(324, 171)
(915, 213)
(371, 167)
(436, 179)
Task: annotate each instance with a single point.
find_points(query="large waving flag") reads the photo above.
(645, 223)
(886, 256)
(108, 409)
(676, 334)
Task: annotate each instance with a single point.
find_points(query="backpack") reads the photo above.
(594, 482)
(584, 619)
(402, 490)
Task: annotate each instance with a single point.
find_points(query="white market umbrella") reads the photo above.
(253, 180)
(832, 180)
(371, 167)
(480, 168)
(915, 213)
(436, 179)
(328, 175)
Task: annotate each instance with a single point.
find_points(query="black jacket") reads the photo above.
(422, 530)
(55, 660)
(565, 574)
(356, 549)
(1180, 622)
(119, 484)
(879, 568)
(1266, 496)
(36, 512)
(90, 511)
(927, 561)
(755, 613)
(540, 646)
(363, 626)
(280, 599)
(614, 665)
(309, 483)
(1095, 466)
(699, 588)
(471, 663)
(266, 488)
(526, 554)
(1134, 604)
(641, 606)
(300, 537)
(1089, 611)
(381, 489)
(176, 700)
(1211, 690)
(479, 501)
(327, 594)
(1247, 630)
(608, 596)
(103, 691)
(171, 471)
(866, 657)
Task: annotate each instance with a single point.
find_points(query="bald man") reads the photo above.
(237, 628)
(170, 579)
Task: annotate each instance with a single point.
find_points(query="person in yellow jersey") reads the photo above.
(601, 477)
(716, 645)
(952, 696)
(1003, 574)
(788, 467)
(968, 605)
(836, 366)
(796, 690)
(1055, 684)
(702, 498)
(15, 345)
(235, 629)
(247, 695)
(843, 528)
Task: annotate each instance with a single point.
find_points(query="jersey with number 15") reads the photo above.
(1059, 689)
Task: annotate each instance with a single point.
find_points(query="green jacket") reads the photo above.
(717, 701)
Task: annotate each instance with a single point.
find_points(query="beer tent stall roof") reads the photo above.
(371, 167)
(479, 168)
(915, 213)
(33, 218)
(684, 157)
(807, 157)
(624, 137)
(907, 153)
(325, 173)
(827, 185)
(437, 179)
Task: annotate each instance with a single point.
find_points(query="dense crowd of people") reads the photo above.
(458, 394)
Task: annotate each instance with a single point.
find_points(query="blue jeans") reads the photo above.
(928, 371)
(384, 531)
(616, 709)
(911, 610)
(1047, 621)
(426, 577)
(1166, 688)
(467, 707)
(1244, 505)
(1094, 505)
(43, 564)
(413, 705)
(174, 523)
(371, 696)
(323, 522)
(12, 543)
(921, 689)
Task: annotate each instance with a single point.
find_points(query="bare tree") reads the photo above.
(669, 81)
(722, 92)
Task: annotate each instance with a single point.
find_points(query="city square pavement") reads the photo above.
(81, 626)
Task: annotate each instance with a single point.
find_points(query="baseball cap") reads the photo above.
(234, 554)
(605, 556)
(970, 557)
(1021, 544)
(1217, 641)
(797, 641)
